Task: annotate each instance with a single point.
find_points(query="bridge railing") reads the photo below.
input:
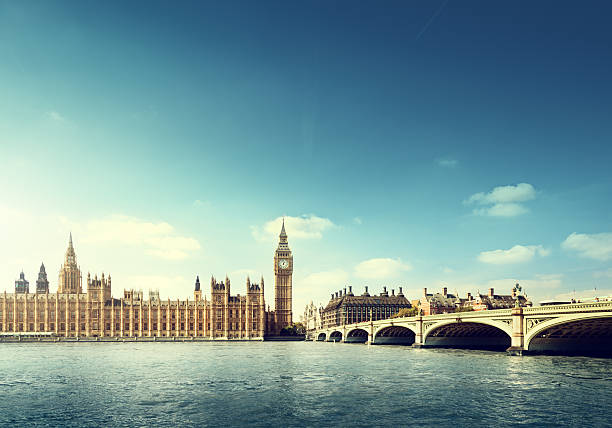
(493, 313)
(570, 307)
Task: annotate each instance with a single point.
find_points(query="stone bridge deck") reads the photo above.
(574, 328)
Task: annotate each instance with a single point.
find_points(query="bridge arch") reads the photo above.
(321, 337)
(394, 334)
(469, 334)
(575, 334)
(356, 335)
(335, 336)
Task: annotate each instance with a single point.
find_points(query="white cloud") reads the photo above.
(357, 220)
(157, 239)
(381, 268)
(516, 254)
(502, 201)
(596, 246)
(170, 287)
(447, 162)
(501, 210)
(330, 280)
(302, 227)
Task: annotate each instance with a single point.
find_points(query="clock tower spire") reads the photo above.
(283, 275)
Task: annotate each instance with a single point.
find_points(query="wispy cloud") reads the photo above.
(381, 268)
(503, 201)
(54, 116)
(357, 220)
(596, 246)
(156, 239)
(603, 273)
(538, 286)
(169, 286)
(584, 294)
(240, 275)
(201, 204)
(447, 162)
(302, 227)
(516, 254)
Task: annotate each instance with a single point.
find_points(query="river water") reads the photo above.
(295, 384)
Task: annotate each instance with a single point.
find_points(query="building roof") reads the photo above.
(497, 301)
(442, 300)
(366, 300)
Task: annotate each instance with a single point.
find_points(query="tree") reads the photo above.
(295, 329)
(406, 312)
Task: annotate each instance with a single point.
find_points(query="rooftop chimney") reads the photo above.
(350, 290)
(366, 291)
(332, 295)
(345, 291)
(336, 294)
(400, 292)
(425, 291)
(490, 292)
(444, 291)
(393, 292)
(469, 296)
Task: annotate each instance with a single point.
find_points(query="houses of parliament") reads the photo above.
(72, 312)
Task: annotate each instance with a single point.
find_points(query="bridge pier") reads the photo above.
(517, 341)
(371, 337)
(577, 329)
(418, 337)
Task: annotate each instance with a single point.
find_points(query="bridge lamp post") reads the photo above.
(517, 289)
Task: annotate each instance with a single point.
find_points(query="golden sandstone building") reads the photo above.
(95, 313)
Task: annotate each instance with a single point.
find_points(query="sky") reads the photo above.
(458, 144)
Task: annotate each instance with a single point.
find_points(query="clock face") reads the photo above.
(283, 263)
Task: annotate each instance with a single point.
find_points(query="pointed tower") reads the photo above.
(22, 285)
(70, 274)
(42, 284)
(283, 282)
(197, 293)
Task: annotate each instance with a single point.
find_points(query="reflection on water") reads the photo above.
(295, 384)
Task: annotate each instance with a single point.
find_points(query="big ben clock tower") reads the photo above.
(283, 272)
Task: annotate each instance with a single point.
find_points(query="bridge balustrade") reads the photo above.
(575, 328)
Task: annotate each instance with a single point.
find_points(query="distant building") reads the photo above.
(346, 308)
(439, 303)
(484, 302)
(72, 313)
(312, 317)
(22, 285)
(42, 284)
(70, 273)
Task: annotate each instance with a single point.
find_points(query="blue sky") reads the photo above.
(171, 140)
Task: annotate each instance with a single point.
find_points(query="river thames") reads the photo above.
(295, 384)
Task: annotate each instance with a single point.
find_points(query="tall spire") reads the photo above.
(282, 242)
(70, 254)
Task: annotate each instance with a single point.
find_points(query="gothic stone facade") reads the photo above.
(95, 313)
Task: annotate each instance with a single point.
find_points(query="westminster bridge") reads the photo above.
(581, 328)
